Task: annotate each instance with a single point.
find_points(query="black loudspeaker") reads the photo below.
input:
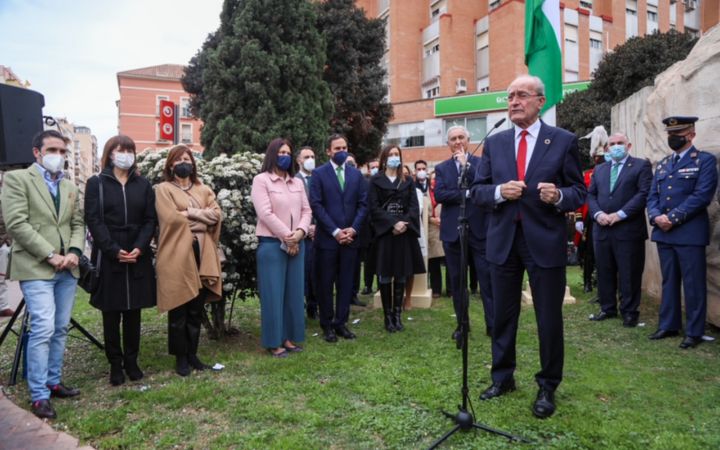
(20, 120)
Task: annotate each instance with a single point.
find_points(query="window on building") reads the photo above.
(482, 69)
(571, 56)
(570, 76)
(476, 126)
(158, 98)
(186, 133)
(631, 22)
(432, 92)
(494, 4)
(587, 4)
(437, 9)
(596, 49)
(594, 43)
(383, 5)
(406, 134)
(185, 107)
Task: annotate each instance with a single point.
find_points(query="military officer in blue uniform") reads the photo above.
(683, 186)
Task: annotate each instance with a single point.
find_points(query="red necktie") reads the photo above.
(521, 155)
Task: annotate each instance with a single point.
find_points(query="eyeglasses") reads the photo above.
(522, 95)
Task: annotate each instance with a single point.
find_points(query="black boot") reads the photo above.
(131, 344)
(116, 374)
(386, 297)
(182, 367)
(398, 299)
(196, 364)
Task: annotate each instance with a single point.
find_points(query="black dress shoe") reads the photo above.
(196, 364)
(602, 316)
(312, 314)
(133, 371)
(544, 405)
(498, 389)
(630, 322)
(62, 391)
(329, 335)
(690, 342)
(343, 331)
(182, 367)
(117, 377)
(456, 334)
(662, 334)
(43, 409)
(587, 288)
(356, 301)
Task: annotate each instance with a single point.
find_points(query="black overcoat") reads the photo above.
(390, 202)
(128, 221)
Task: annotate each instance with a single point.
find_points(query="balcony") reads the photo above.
(431, 33)
(431, 67)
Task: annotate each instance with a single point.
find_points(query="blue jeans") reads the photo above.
(50, 304)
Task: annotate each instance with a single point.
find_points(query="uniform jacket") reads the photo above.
(334, 208)
(629, 195)
(127, 221)
(683, 192)
(555, 159)
(34, 225)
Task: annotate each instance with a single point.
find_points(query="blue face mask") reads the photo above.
(283, 162)
(339, 158)
(393, 162)
(373, 171)
(607, 157)
(618, 152)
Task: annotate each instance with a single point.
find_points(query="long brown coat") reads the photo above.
(178, 277)
(435, 248)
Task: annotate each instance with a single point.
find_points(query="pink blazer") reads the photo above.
(280, 204)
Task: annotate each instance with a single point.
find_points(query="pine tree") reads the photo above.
(353, 71)
(259, 76)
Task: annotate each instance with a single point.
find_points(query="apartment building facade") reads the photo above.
(448, 62)
(141, 91)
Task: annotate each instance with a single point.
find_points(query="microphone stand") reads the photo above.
(464, 420)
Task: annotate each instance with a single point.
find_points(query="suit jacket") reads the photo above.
(449, 195)
(36, 228)
(555, 159)
(683, 192)
(334, 208)
(629, 195)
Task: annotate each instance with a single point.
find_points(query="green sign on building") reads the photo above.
(488, 101)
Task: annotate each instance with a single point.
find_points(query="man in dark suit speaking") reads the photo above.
(530, 176)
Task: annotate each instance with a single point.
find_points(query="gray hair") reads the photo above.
(539, 85)
(456, 127)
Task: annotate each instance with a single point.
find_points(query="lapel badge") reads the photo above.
(547, 141)
(693, 155)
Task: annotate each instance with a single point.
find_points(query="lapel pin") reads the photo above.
(547, 141)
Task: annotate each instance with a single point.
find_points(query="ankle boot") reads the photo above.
(398, 299)
(386, 297)
(196, 364)
(133, 370)
(116, 374)
(182, 367)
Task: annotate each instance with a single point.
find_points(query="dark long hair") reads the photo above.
(383, 160)
(121, 141)
(176, 153)
(270, 162)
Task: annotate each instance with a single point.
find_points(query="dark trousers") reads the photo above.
(311, 302)
(435, 270)
(367, 259)
(587, 257)
(686, 266)
(335, 268)
(620, 261)
(184, 326)
(472, 275)
(476, 252)
(548, 290)
(126, 353)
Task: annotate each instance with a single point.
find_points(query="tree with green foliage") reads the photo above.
(621, 73)
(259, 76)
(355, 75)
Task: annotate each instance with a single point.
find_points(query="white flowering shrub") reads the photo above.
(230, 177)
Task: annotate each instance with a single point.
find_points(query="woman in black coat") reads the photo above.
(121, 231)
(395, 217)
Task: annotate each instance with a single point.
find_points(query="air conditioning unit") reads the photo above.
(690, 4)
(460, 86)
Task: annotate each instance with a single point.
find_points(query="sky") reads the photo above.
(71, 51)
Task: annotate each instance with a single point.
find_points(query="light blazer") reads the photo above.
(34, 225)
(629, 195)
(555, 159)
(334, 208)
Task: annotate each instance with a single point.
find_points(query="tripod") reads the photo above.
(22, 340)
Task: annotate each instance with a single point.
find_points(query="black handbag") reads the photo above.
(89, 279)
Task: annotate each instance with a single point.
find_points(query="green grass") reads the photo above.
(620, 390)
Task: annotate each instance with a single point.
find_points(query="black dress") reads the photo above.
(127, 222)
(389, 202)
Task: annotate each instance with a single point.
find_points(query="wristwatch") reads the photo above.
(50, 255)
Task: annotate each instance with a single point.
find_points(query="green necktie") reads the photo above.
(614, 175)
(341, 177)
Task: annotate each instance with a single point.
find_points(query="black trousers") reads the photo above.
(311, 302)
(620, 262)
(116, 353)
(367, 257)
(184, 326)
(435, 270)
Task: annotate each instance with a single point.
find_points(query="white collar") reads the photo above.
(533, 130)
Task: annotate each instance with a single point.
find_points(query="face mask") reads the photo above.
(421, 175)
(393, 162)
(53, 162)
(676, 142)
(351, 164)
(374, 171)
(183, 170)
(124, 161)
(339, 158)
(283, 162)
(309, 164)
(617, 152)
(607, 157)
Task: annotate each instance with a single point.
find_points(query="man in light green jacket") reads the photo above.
(43, 217)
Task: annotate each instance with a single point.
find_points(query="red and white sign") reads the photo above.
(167, 120)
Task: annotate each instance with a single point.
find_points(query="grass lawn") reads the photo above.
(620, 390)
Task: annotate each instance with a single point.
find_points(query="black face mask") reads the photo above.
(676, 142)
(183, 170)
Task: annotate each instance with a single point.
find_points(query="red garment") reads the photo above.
(583, 210)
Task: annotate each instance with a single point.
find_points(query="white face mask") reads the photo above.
(421, 175)
(309, 164)
(374, 171)
(53, 162)
(124, 161)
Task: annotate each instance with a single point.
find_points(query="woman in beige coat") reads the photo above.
(188, 265)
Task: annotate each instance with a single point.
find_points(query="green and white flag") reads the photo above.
(543, 54)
